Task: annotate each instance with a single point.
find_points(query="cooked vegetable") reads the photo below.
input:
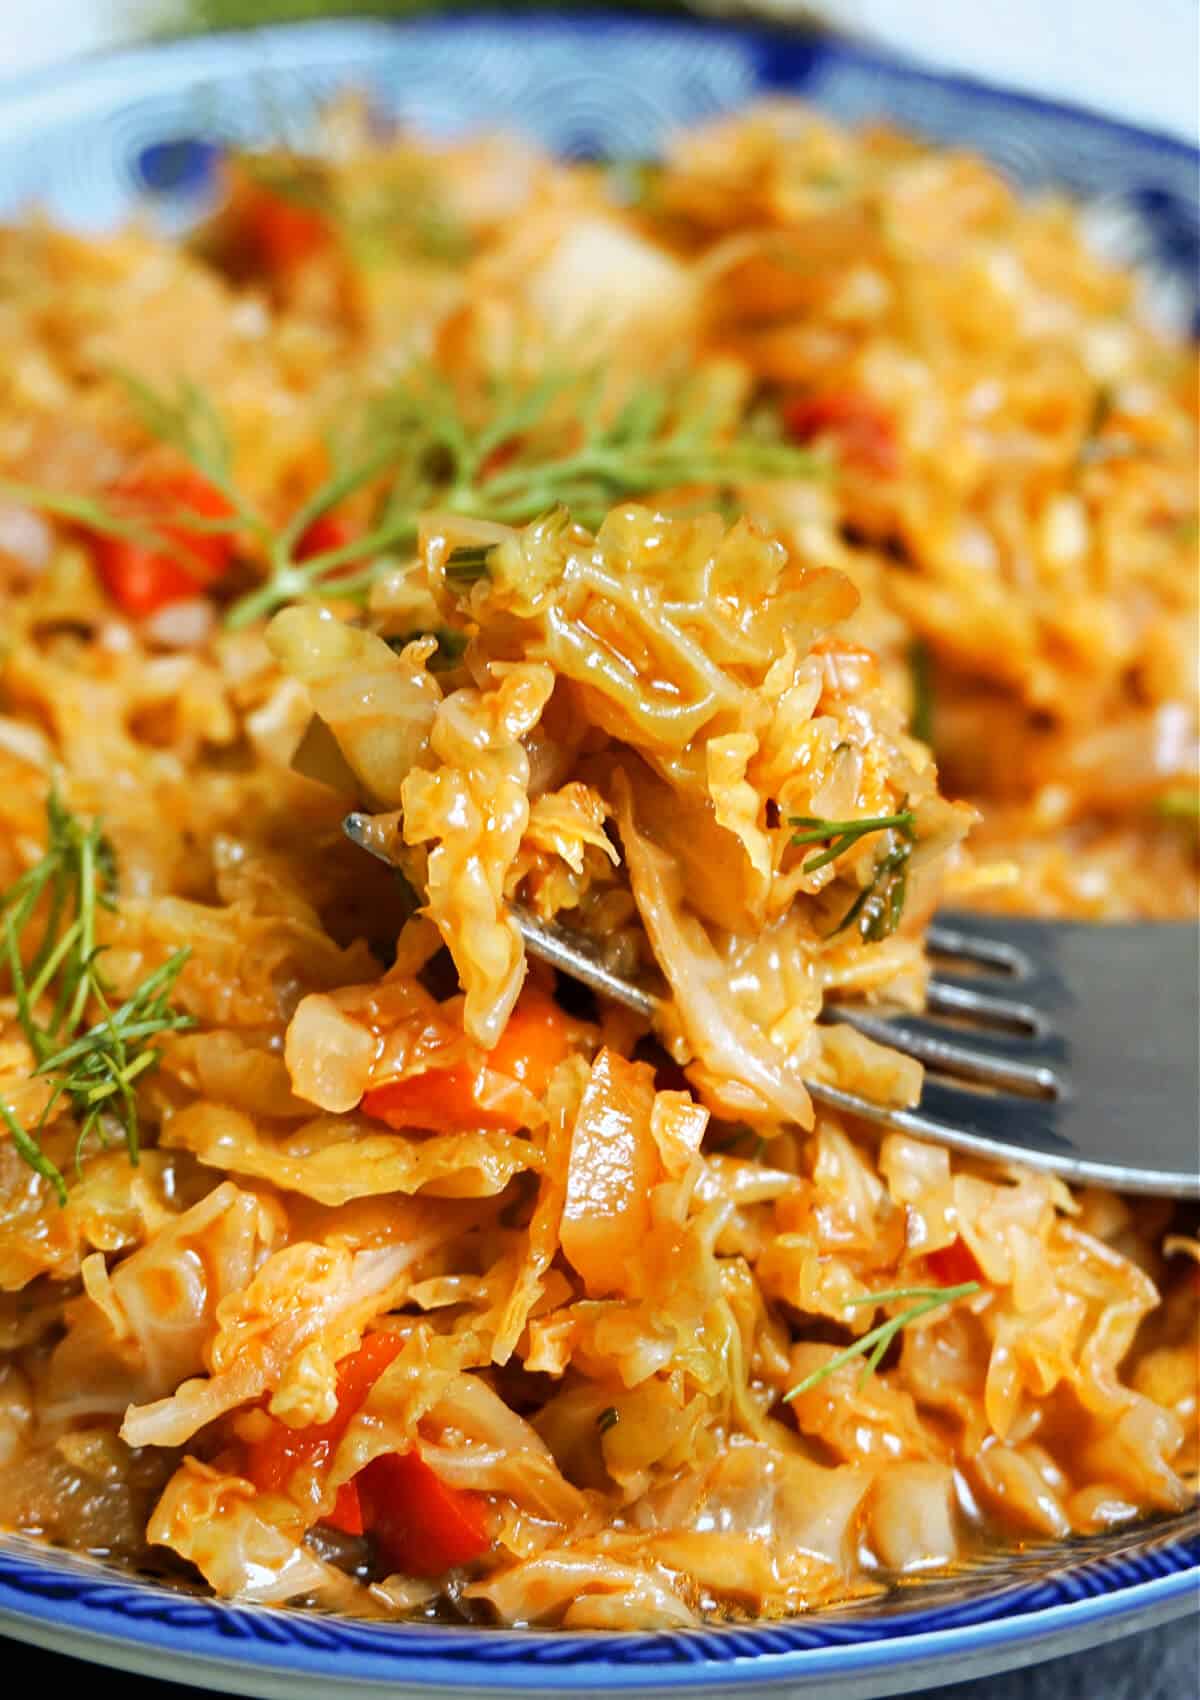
(272, 1461)
(920, 665)
(447, 1100)
(141, 578)
(612, 1167)
(421, 1526)
(864, 434)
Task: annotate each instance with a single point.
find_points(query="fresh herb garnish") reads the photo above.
(877, 910)
(920, 667)
(1178, 805)
(95, 1065)
(1181, 807)
(875, 1343)
(742, 1138)
(514, 451)
(608, 1418)
(466, 565)
(844, 833)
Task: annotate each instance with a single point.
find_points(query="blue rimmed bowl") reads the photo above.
(91, 141)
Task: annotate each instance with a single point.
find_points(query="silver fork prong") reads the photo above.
(969, 937)
(948, 994)
(990, 1059)
(568, 951)
(1100, 1043)
(984, 1127)
(555, 945)
(962, 1119)
(357, 828)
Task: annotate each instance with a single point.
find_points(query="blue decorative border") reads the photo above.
(90, 141)
(1138, 1577)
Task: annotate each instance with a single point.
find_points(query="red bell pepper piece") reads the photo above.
(862, 430)
(272, 1461)
(954, 1264)
(347, 1510)
(326, 533)
(421, 1526)
(281, 232)
(142, 578)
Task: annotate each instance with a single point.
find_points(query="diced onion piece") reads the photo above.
(329, 1055)
(612, 1166)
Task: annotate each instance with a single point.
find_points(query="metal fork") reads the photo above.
(1073, 1047)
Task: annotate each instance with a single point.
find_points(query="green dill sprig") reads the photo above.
(108, 521)
(876, 1341)
(521, 448)
(1181, 807)
(91, 1052)
(468, 564)
(1182, 804)
(741, 1139)
(518, 449)
(844, 833)
(877, 910)
(920, 668)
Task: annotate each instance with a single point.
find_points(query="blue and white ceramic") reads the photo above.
(92, 141)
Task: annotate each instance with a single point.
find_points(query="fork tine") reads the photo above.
(969, 1121)
(1076, 993)
(985, 1127)
(978, 938)
(993, 1060)
(953, 994)
(957, 1110)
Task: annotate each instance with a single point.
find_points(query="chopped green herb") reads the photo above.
(608, 1418)
(94, 1065)
(1178, 805)
(920, 666)
(876, 1341)
(879, 906)
(467, 565)
(742, 1139)
(1182, 808)
(844, 833)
